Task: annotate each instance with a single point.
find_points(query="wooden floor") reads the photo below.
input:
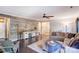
(23, 46)
(24, 49)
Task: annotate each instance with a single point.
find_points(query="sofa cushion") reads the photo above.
(57, 38)
(68, 41)
(77, 35)
(70, 35)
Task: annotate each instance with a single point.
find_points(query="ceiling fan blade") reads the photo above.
(50, 16)
(44, 16)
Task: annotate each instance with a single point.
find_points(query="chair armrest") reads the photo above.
(3, 48)
(7, 47)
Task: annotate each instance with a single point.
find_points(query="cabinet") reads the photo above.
(30, 36)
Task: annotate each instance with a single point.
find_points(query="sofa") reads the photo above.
(61, 35)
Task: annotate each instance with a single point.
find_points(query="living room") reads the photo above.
(30, 28)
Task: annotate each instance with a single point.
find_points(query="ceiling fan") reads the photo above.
(45, 16)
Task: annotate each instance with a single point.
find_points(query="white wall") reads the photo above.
(64, 25)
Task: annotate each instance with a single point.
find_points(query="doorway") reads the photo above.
(44, 29)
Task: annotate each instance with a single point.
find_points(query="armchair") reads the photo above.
(10, 49)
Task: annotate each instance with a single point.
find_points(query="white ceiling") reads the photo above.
(36, 12)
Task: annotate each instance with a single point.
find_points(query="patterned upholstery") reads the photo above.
(77, 35)
(67, 41)
(75, 44)
(74, 39)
